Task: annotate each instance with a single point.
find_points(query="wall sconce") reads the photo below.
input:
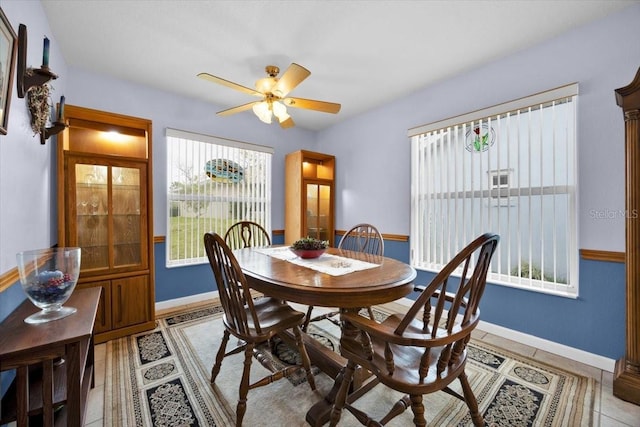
(33, 82)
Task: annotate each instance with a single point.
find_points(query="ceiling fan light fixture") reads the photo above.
(284, 118)
(280, 111)
(263, 112)
(265, 84)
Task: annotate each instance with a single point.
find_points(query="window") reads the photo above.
(509, 169)
(211, 184)
(499, 179)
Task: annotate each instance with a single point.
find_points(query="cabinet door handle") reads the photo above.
(120, 303)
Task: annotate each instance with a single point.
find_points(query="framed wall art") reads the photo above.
(8, 43)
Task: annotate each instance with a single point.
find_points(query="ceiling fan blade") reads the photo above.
(238, 109)
(310, 104)
(291, 78)
(227, 83)
(287, 123)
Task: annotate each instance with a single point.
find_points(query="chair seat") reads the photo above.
(274, 315)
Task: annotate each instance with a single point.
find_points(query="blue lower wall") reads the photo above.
(180, 282)
(579, 323)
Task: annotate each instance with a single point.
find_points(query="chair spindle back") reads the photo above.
(245, 234)
(451, 304)
(363, 238)
(465, 296)
(233, 289)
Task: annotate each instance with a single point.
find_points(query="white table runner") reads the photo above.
(332, 265)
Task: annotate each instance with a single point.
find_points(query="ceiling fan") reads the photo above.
(274, 90)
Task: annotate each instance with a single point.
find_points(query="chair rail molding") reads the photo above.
(626, 378)
(598, 255)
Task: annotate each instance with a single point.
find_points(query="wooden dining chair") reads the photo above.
(244, 234)
(424, 350)
(360, 238)
(252, 322)
(363, 238)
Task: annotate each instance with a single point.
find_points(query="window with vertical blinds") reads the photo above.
(211, 184)
(509, 169)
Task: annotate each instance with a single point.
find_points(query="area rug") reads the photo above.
(161, 378)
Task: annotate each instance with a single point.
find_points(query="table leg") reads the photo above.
(320, 413)
(327, 360)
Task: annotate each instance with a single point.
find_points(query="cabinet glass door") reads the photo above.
(318, 211)
(91, 196)
(109, 216)
(126, 216)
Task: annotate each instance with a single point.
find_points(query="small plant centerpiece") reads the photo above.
(308, 247)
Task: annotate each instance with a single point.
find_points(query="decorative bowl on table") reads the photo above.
(48, 277)
(309, 247)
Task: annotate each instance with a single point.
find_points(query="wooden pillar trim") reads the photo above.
(626, 382)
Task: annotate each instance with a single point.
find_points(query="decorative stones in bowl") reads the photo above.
(48, 277)
(309, 247)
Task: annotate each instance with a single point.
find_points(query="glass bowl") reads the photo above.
(48, 277)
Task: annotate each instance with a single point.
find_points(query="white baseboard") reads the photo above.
(578, 355)
(191, 299)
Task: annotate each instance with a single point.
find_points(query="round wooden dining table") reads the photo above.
(389, 280)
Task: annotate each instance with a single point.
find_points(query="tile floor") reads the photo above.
(609, 411)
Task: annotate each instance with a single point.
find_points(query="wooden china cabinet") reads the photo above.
(309, 196)
(105, 208)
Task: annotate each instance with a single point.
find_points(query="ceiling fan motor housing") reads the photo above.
(272, 70)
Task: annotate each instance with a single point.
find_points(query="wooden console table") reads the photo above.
(53, 361)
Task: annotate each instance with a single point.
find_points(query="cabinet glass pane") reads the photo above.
(92, 216)
(318, 211)
(126, 216)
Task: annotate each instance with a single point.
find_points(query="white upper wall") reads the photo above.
(27, 173)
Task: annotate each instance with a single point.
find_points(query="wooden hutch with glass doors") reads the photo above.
(309, 196)
(105, 208)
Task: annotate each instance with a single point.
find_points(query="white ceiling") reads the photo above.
(361, 54)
